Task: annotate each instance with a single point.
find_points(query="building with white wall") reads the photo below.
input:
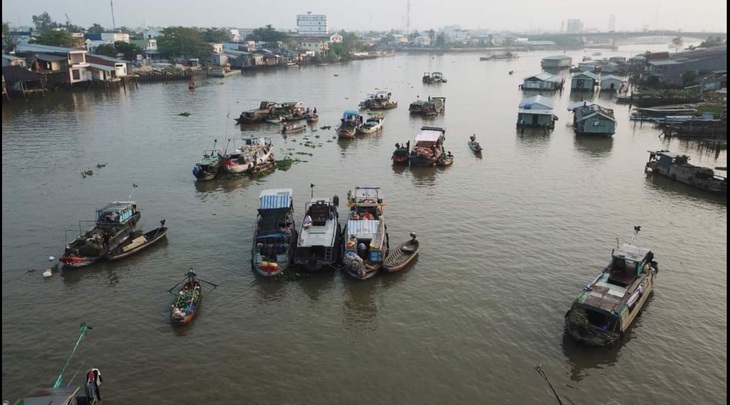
(312, 24)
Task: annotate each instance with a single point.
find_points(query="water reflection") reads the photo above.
(423, 176)
(360, 310)
(315, 284)
(594, 146)
(584, 359)
(681, 190)
(582, 96)
(533, 136)
(269, 289)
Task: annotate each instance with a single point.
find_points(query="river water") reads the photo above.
(508, 241)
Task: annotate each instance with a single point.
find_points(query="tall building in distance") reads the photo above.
(612, 23)
(574, 26)
(312, 24)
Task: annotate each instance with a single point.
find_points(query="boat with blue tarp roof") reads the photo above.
(349, 123)
(275, 235)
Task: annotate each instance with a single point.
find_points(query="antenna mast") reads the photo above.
(114, 24)
(408, 17)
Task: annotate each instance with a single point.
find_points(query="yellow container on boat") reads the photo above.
(273, 267)
(264, 265)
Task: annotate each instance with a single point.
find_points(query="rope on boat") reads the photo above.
(77, 371)
(84, 329)
(544, 377)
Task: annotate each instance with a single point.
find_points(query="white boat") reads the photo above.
(256, 151)
(373, 124)
(320, 236)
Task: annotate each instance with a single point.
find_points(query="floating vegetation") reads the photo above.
(326, 127)
(100, 165)
(88, 172)
(304, 153)
(286, 163)
(184, 114)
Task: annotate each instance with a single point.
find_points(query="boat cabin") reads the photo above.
(252, 141)
(366, 238)
(274, 227)
(117, 212)
(627, 263)
(320, 210)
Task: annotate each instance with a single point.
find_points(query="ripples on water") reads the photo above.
(509, 239)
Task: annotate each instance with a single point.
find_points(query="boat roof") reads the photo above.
(585, 74)
(320, 200)
(578, 104)
(545, 77)
(348, 113)
(50, 396)
(429, 135)
(118, 205)
(275, 198)
(362, 228)
(631, 252)
(254, 140)
(536, 102)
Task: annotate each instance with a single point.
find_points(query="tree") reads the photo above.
(267, 34)
(441, 40)
(106, 50)
(44, 22)
(677, 43)
(96, 28)
(216, 35)
(9, 41)
(130, 51)
(413, 35)
(55, 38)
(431, 34)
(184, 42)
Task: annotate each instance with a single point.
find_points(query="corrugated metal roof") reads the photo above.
(557, 57)
(586, 74)
(275, 198)
(106, 58)
(102, 67)
(664, 62)
(362, 228)
(49, 58)
(546, 77)
(429, 136)
(536, 102)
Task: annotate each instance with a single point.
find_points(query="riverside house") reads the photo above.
(543, 81)
(583, 81)
(61, 66)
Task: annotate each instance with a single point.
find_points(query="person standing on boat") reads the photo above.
(93, 380)
(314, 111)
(191, 278)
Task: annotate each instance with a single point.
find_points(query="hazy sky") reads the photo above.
(525, 15)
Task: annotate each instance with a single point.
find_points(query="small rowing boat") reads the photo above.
(134, 244)
(187, 302)
(402, 255)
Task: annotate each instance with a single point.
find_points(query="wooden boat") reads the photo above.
(134, 244)
(367, 243)
(445, 160)
(114, 223)
(678, 168)
(402, 255)
(256, 151)
(610, 303)
(320, 236)
(60, 394)
(401, 153)
(207, 167)
(275, 234)
(379, 101)
(312, 118)
(266, 108)
(291, 129)
(187, 302)
(474, 144)
(428, 147)
(433, 77)
(349, 123)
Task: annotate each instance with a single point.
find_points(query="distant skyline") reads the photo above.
(380, 15)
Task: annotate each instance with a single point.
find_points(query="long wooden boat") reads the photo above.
(187, 302)
(320, 237)
(474, 144)
(365, 238)
(114, 223)
(402, 255)
(275, 235)
(290, 129)
(610, 303)
(134, 244)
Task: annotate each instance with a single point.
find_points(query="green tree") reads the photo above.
(413, 35)
(677, 43)
(9, 41)
(441, 40)
(431, 34)
(267, 34)
(184, 42)
(216, 35)
(55, 38)
(95, 28)
(106, 50)
(710, 42)
(130, 51)
(44, 22)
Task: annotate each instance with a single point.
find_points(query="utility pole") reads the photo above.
(114, 24)
(408, 17)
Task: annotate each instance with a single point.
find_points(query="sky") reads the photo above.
(380, 15)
